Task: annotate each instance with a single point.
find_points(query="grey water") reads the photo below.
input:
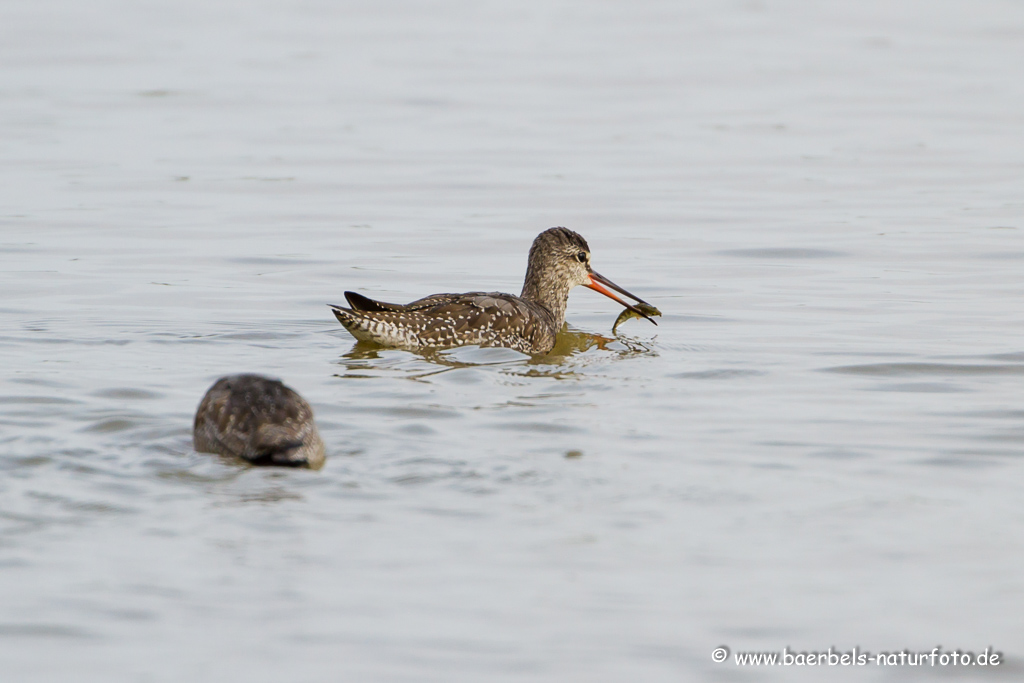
(820, 445)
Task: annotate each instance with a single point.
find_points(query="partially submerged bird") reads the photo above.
(259, 420)
(559, 260)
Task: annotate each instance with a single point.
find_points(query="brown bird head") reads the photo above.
(560, 260)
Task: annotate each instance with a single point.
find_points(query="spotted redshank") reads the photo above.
(259, 420)
(559, 260)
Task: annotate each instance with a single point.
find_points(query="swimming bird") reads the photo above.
(559, 260)
(259, 420)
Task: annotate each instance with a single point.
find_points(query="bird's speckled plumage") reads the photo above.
(559, 260)
(259, 420)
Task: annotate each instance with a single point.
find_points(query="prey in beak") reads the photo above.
(599, 283)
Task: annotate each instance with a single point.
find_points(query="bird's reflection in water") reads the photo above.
(367, 359)
(267, 495)
(364, 350)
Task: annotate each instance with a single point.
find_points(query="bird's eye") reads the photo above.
(581, 257)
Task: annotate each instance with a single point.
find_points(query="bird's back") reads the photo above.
(447, 320)
(260, 420)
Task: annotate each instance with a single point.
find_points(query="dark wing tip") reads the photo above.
(358, 302)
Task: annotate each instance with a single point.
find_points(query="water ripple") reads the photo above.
(926, 369)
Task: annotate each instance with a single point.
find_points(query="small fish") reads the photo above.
(627, 313)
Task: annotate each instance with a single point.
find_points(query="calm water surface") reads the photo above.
(821, 444)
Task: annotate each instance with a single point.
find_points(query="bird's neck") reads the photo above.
(551, 293)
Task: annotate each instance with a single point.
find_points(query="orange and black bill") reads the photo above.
(599, 283)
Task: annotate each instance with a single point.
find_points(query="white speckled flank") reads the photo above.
(559, 260)
(485, 319)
